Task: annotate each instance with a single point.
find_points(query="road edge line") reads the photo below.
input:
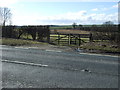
(98, 54)
(25, 63)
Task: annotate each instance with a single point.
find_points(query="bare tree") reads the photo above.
(5, 15)
(1, 19)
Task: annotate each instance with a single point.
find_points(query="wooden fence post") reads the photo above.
(48, 38)
(75, 40)
(90, 38)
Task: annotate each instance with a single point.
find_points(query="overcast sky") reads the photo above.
(61, 12)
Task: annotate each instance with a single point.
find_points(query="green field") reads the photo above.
(104, 46)
(60, 27)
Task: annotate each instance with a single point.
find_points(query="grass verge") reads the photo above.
(101, 46)
(105, 46)
(19, 42)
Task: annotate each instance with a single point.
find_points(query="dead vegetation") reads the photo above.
(70, 31)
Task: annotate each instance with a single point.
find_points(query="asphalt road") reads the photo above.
(35, 68)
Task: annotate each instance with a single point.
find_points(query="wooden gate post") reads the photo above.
(58, 38)
(79, 40)
(69, 39)
(75, 40)
(90, 38)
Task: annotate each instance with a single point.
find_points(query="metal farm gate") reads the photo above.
(69, 39)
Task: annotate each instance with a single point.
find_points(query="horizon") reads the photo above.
(32, 12)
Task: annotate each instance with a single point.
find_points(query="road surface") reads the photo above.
(35, 68)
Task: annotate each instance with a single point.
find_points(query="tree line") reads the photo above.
(107, 31)
(37, 32)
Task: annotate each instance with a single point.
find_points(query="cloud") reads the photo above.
(7, 3)
(25, 19)
(67, 18)
(105, 9)
(95, 9)
(100, 18)
(80, 17)
(115, 6)
(109, 8)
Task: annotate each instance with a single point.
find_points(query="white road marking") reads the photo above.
(53, 51)
(27, 47)
(3, 45)
(25, 63)
(4, 48)
(33, 47)
(98, 54)
(22, 47)
(59, 51)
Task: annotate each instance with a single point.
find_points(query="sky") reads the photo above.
(61, 12)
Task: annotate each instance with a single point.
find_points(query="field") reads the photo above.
(70, 31)
(101, 45)
(67, 26)
(54, 36)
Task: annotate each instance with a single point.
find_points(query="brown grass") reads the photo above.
(70, 31)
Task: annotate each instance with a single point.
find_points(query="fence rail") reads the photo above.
(69, 38)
